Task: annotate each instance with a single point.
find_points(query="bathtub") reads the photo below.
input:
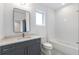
(64, 49)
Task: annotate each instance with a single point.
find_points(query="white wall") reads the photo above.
(51, 25)
(66, 27)
(1, 20)
(8, 18)
(39, 30)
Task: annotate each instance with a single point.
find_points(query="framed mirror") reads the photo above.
(21, 21)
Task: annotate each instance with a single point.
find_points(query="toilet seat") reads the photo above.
(47, 45)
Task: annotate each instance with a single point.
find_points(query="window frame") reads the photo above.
(43, 17)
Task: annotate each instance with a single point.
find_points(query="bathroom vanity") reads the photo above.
(23, 46)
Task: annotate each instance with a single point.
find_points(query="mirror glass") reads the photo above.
(21, 20)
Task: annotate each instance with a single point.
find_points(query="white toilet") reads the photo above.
(47, 48)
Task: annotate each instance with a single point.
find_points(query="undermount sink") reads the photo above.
(23, 39)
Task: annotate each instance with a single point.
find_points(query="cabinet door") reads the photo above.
(21, 50)
(34, 48)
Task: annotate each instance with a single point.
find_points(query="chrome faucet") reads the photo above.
(23, 35)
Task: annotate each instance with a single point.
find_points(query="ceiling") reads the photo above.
(54, 5)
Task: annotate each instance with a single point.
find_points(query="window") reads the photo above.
(40, 19)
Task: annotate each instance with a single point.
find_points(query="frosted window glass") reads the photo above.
(39, 19)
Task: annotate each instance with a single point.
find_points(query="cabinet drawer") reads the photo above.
(30, 42)
(7, 49)
(38, 40)
(25, 43)
(35, 41)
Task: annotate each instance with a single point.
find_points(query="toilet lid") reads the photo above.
(47, 45)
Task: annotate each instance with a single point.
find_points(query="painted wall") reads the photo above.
(8, 18)
(51, 25)
(1, 20)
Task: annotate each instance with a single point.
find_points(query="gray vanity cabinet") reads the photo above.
(31, 47)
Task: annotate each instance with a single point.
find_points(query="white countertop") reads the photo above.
(16, 40)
